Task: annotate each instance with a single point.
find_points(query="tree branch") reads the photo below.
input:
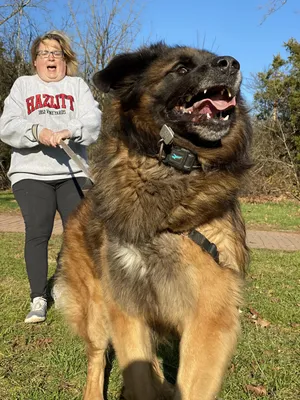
(273, 6)
(22, 5)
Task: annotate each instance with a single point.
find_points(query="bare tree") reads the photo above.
(103, 29)
(272, 6)
(8, 11)
(98, 30)
(275, 168)
(19, 26)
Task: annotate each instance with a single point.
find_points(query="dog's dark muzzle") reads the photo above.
(226, 65)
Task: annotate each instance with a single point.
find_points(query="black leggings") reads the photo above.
(39, 201)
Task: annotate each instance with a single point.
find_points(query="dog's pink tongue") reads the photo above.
(219, 103)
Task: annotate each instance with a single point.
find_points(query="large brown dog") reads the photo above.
(172, 155)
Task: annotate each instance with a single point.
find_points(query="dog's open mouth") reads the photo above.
(211, 105)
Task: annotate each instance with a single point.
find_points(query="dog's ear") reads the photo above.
(125, 69)
(120, 68)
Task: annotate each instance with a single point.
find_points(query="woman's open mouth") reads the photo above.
(51, 68)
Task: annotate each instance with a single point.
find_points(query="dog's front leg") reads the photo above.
(209, 335)
(95, 375)
(131, 340)
(97, 339)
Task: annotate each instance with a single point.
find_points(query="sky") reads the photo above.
(226, 27)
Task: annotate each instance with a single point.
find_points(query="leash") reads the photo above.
(63, 145)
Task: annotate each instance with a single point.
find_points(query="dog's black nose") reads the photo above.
(226, 64)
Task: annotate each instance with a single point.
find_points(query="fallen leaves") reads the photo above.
(23, 342)
(43, 342)
(257, 390)
(256, 318)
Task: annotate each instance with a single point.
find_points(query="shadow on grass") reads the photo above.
(110, 356)
(168, 353)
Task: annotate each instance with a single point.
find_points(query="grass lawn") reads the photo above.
(284, 215)
(45, 361)
(8, 202)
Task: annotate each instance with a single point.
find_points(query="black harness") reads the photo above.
(204, 243)
(184, 160)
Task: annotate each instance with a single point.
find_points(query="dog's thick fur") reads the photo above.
(128, 269)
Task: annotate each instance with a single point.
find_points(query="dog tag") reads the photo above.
(167, 134)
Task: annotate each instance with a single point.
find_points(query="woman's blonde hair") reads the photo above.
(64, 41)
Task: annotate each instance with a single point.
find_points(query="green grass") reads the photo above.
(284, 215)
(8, 202)
(45, 361)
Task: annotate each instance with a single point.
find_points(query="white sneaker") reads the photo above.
(38, 310)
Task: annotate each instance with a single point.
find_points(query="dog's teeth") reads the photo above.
(208, 116)
(205, 91)
(188, 98)
(226, 118)
(229, 93)
(222, 91)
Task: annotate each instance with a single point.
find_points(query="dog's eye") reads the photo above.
(182, 71)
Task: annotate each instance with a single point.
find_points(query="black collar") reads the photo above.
(180, 158)
(186, 161)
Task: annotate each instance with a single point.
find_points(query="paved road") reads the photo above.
(289, 241)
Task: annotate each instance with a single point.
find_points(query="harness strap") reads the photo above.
(204, 243)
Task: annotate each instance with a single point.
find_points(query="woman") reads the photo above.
(41, 111)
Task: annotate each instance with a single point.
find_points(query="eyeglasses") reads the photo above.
(46, 53)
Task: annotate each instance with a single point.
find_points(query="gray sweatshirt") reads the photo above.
(67, 104)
